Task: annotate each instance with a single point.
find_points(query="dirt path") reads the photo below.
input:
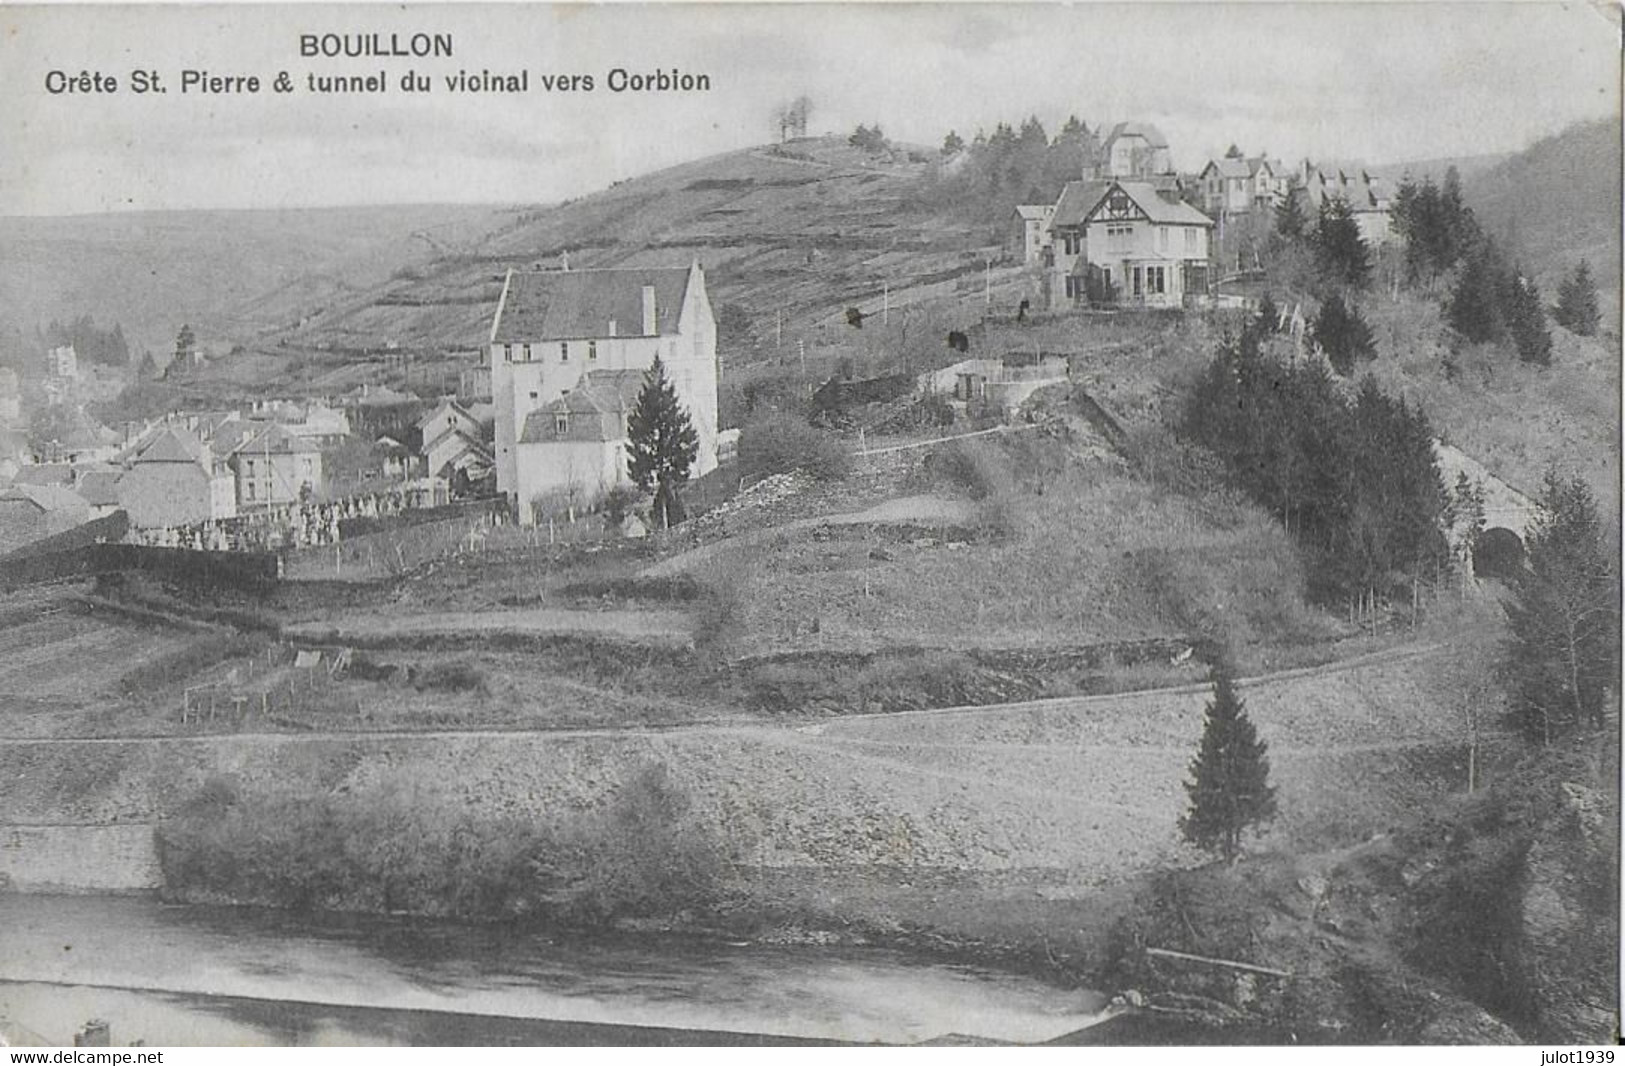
(645, 625)
(918, 510)
(828, 733)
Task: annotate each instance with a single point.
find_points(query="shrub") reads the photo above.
(777, 444)
(972, 465)
(396, 848)
(182, 663)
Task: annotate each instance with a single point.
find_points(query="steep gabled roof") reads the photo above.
(1035, 212)
(1150, 133)
(48, 498)
(44, 474)
(442, 408)
(274, 440)
(580, 304)
(1228, 168)
(1078, 198)
(1159, 210)
(174, 445)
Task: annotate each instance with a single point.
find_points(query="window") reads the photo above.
(1071, 286)
(527, 353)
(1162, 238)
(1139, 277)
(533, 395)
(1190, 238)
(561, 423)
(248, 491)
(1154, 280)
(564, 351)
(592, 351)
(505, 351)
(250, 467)
(1070, 243)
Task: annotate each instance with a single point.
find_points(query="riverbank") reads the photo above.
(325, 963)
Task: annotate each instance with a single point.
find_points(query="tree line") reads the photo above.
(1354, 482)
(993, 173)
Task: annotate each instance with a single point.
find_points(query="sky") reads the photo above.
(1378, 82)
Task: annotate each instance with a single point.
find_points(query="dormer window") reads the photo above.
(561, 423)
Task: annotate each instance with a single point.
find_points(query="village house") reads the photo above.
(176, 481)
(1030, 232)
(1369, 198)
(30, 512)
(1127, 242)
(1236, 186)
(574, 449)
(272, 466)
(453, 440)
(98, 487)
(1135, 150)
(552, 331)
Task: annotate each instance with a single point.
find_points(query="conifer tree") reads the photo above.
(1340, 251)
(661, 445)
(1269, 316)
(1526, 321)
(1577, 302)
(1290, 221)
(1343, 334)
(1562, 656)
(1474, 310)
(1229, 787)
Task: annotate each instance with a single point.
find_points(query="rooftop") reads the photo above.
(581, 304)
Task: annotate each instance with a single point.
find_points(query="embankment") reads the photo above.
(1090, 785)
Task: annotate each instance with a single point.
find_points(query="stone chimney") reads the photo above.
(614, 328)
(651, 321)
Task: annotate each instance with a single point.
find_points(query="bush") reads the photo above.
(777, 444)
(397, 849)
(972, 465)
(181, 664)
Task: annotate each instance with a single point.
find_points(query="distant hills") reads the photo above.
(233, 275)
(1557, 202)
(796, 231)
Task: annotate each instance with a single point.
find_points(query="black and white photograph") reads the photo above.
(733, 524)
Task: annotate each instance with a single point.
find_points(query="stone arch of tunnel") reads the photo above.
(1499, 553)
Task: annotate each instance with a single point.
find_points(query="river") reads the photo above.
(190, 975)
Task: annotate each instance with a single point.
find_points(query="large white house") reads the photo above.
(1127, 242)
(562, 331)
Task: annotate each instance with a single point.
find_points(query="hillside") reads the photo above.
(803, 229)
(1558, 202)
(234, 275)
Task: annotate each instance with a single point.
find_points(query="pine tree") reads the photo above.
(661, 445)
(1340, 251)
(1562, 656)
(1577, 302)
(1229, 787)
(1474, 309)
(952, 144)
(1290, 221)
(1269, 316)
(1343, 334)
(1526, 321)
